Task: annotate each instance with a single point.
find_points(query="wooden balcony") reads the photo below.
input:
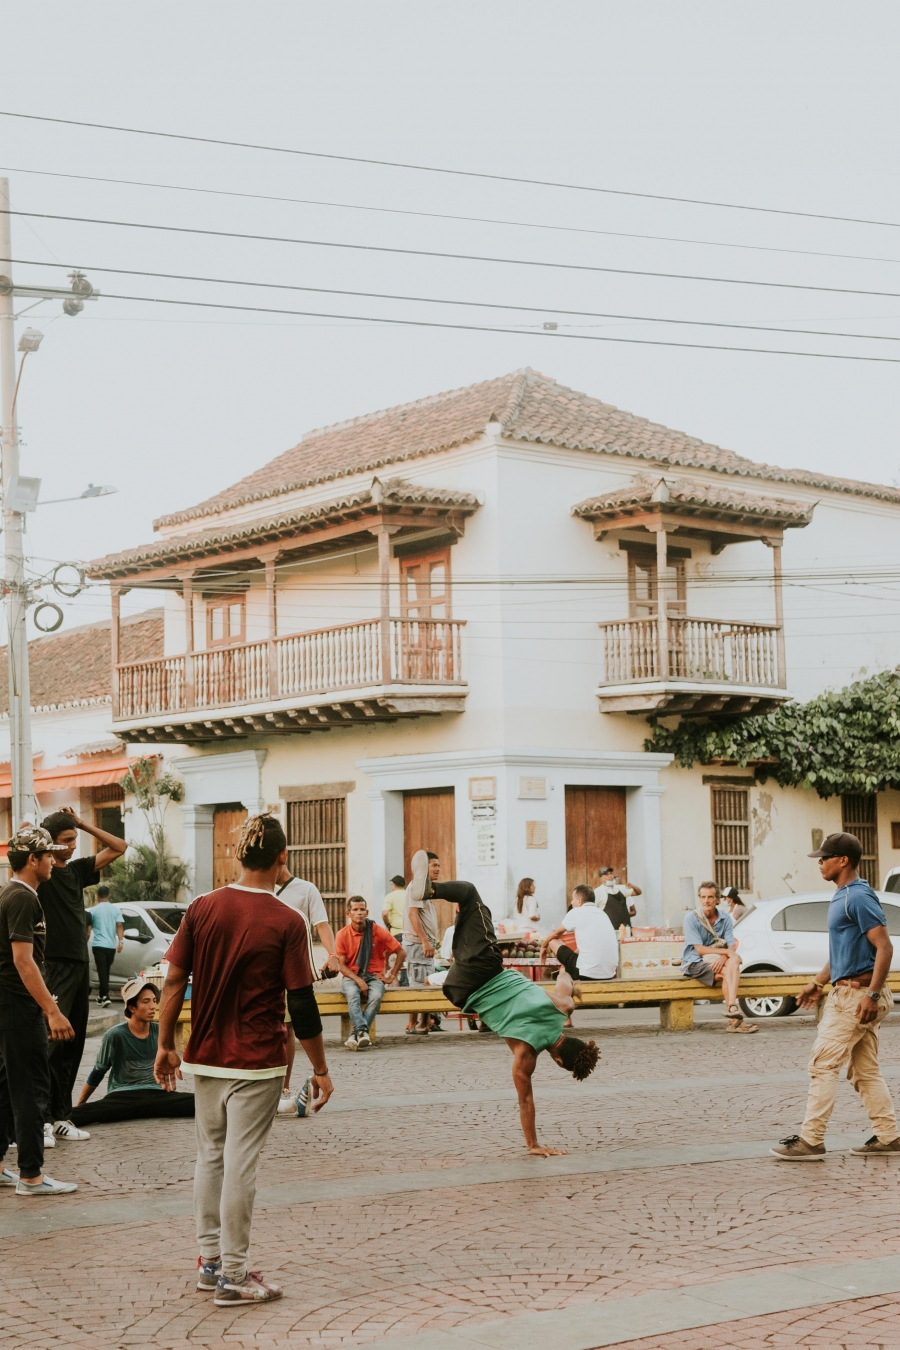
(356, 672)
(713, 667)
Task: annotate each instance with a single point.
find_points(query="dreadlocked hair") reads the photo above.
(260, 842)
(579, 1057)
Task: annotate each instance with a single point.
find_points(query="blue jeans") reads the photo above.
(353, 994)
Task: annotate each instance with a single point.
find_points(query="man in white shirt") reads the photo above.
(306, 899)
(597, 957)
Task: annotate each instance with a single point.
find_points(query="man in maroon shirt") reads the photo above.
(242, 948)
(362, 950)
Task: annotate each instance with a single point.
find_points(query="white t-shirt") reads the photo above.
(306, 899)
(530, 909)
(447, 943)
(598, 948)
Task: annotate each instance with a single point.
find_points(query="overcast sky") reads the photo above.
(782, 105)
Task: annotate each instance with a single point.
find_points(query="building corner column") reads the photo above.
(198, 845)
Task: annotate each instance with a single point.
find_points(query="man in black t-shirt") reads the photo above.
(27, 1013)
(66, 957)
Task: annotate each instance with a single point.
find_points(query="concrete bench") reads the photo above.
(675, 999)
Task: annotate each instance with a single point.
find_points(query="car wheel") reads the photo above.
(768, 1007)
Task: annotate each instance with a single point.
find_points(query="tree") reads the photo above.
(152, 867)
(845, 740)
(136, 878)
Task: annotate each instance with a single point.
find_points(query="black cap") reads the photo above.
(840, 846)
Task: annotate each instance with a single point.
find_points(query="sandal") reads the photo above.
(741, 1026)
(734, 1012)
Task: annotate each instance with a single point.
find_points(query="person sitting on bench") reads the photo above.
(128, 1053)
(529, 1018)
(597, 957)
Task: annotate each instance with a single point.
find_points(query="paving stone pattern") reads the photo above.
(357, 1270)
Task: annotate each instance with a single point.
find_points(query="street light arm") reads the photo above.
(12, 411)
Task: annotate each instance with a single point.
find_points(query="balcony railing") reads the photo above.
(325, 661)
(720, 650)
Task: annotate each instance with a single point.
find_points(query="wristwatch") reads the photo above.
(873, 996)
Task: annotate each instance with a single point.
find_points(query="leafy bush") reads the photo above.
(845, 740)
(135, 878)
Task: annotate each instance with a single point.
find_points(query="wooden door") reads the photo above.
(429, 822)
(227, 822)
(595, 833)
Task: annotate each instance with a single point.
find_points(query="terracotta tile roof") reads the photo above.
(530, 407)
(74, 667)
(365, 501)
(689, 496)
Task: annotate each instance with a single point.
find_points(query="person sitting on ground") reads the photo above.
(529, 1018)
(28, 1015)
(710, 952)
(107, 931)
(526, 901)
(362, 949)
(597, 957)
(420, 935)
(612, 897)
(128, 1054)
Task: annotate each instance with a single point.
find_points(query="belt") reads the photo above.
(857, 981)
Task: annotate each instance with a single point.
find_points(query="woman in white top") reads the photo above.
(526, 902)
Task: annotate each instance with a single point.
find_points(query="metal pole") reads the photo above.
(24, 805)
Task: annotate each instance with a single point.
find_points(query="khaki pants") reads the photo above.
(843, 1038)
(233, 1119)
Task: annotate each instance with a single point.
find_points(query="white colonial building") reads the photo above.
(446, 625)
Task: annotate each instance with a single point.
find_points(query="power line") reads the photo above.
(456, 173)
(515, 332)
(457, 257)
(437, 300)
(444, 215)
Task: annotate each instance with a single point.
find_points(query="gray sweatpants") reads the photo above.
(233, 1118)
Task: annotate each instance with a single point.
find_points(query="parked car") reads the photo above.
(149, 930)
(791, 935)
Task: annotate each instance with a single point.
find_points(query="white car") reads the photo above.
(791, 935)
(149, 930)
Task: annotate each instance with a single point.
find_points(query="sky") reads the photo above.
(787, 106)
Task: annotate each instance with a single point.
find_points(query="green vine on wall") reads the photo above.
(845, 740)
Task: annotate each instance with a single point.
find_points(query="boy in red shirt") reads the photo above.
(362, 949)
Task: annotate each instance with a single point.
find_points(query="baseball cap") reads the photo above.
(840, 846)
(34, 839)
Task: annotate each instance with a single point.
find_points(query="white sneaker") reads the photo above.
(287, 1105)
(64, 1129)
(363, 1040)
(420, 886)
(46, 1187)
(351, 1041)
(49, 1141)
(8, 1177)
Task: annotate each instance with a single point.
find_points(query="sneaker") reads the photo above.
(8, 1178)
(46, 1187)
(363, 1040)
(49, 1141)
(105, 1002)
(252, 1289)
(796, 1149)
(287, 1105)
(351, 1041)
(64, 1129)
(874, 1148)
(303, 1099)
(420, 886)
(208, 1273)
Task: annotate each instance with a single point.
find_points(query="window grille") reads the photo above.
(731, 837)
(858, 816)
(317, 850)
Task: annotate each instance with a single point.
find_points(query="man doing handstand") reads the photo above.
(530, 1019)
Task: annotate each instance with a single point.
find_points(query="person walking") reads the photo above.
(28, 1012)
(128, 1054)
(242, 948)
(363, 948)
(859, 960)
(107, 931)
(66, 959)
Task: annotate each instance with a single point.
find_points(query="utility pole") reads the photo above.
(15, 503)
(24, 804)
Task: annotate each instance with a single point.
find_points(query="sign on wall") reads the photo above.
(532, 789)
(482, 789)
(486, 843)
(535, 834)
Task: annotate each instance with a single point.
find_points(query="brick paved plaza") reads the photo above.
(409, 1214)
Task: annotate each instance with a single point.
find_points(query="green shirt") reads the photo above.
(128, 1058)
(513, 1006)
